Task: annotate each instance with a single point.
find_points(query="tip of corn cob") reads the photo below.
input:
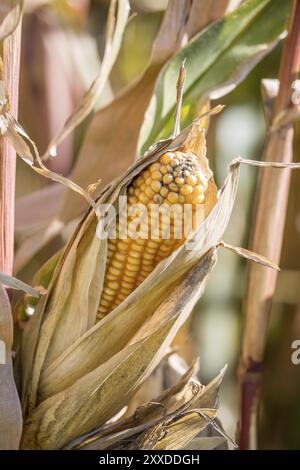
(176, 179)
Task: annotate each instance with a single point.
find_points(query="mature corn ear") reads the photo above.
(174, 181)
(66, 354)
(76, 287)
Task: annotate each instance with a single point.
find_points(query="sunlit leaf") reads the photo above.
(217, 59)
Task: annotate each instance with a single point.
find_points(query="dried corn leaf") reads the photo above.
(169, 372)
(82, 263)
(95, 397)
(175, 431)
(169, 400)
(115, 29)
(10, 408)
(10, 15)
(174, 434)
(27, 150)
(179, 431)
(172, 404)
(205, 443)
(15, 283)
(250, 255)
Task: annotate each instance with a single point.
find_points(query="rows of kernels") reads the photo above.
(176, 178)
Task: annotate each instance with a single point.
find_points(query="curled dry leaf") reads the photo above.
(10, 408)
(116, 24)
(148, 413)
(248, 254)
(27, 150)
(161, 423)
(15, 283)
(176, 430)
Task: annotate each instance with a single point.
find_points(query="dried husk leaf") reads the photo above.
(10, 408)
(116, 380)
(169, 400)
(15, 283)
(175, 431)
(173, 435)
(167, 374)
(205, 443)
(173, 404)
(250, 255)
(94, 398)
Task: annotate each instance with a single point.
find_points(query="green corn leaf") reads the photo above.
(217, 59)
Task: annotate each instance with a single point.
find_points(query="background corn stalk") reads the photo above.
(10, 409)
(10, 75)
(267, 235)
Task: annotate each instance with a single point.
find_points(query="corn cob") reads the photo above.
(174, 180)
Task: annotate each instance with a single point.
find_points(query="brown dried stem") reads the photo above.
(11, 64)
(268, 227)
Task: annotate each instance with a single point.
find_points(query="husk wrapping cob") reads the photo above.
(65, 351)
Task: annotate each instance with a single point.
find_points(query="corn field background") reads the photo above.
(87, 87)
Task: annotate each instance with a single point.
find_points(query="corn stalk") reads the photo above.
(268, 223)
(10, 409)
(11, 64)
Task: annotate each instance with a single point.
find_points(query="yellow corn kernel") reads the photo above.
(176, 178)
